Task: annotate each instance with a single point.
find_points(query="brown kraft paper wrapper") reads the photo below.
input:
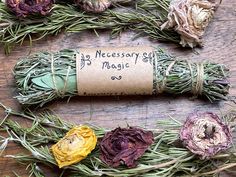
(115, 71)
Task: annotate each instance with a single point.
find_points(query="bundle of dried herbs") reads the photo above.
(45, 76)
(165, 157)
(156, 18)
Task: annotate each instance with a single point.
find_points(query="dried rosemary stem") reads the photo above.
(36, 76)
(166, 157)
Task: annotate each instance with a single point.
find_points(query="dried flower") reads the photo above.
(75, 146)
(95, 6)
(125, 146)
(190, 18)
(23, 8)
(205, 134)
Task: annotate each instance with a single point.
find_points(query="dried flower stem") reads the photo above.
(224, 155)
(220, 169)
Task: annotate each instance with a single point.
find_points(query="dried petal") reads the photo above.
(205, 134)
(23, 8)
(75, 146)
(95, 6)
(190, 18)
(124, 146)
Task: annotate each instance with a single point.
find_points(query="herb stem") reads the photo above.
(218, 170)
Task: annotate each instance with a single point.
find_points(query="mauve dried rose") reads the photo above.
(205, 134)
(95, 6)
(24, 8)
(123, 146)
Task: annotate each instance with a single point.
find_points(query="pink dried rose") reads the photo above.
(24, 8)
(123, 146)
(205, 134)
(95, 6)
(190, 18)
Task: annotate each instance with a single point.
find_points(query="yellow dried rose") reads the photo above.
(74, 146)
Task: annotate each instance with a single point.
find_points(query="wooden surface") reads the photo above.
(110, 112)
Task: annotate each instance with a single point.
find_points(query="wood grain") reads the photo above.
(110, 112)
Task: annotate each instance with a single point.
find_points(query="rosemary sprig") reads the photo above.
(141, 16)
(35, 84)
(166, 157)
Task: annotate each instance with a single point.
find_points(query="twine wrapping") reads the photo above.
(59, 92)
(163, 85)
(198, 79)
(66, 79)
(40, 79)
(197, 89)
(53, 75)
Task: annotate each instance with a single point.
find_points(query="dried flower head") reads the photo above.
(205, 134)
(95, 6)
(190, 18)
(23, 8)
(75, 146)
(123, 146)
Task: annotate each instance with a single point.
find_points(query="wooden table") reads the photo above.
(110, 112)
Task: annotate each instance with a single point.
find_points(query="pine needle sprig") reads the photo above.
(37, 133)
(35, 170)
(166, 157)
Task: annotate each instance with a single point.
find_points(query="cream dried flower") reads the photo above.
(205, 134)
(190, 18)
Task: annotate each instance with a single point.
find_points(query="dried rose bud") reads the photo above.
(190, 18)
(95, 6)
(123, 146)
(205, 134)
(23, 8)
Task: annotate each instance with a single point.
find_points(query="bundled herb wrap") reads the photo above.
(179, 21)
(46, 76)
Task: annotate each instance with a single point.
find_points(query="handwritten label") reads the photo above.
(115, 71)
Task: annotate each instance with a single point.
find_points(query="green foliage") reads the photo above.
(166, 157)
(144, 17)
